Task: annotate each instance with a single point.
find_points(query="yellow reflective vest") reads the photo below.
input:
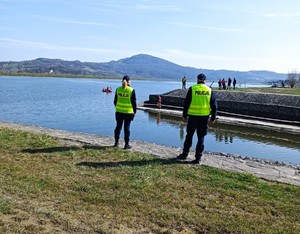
(124, 100)
(200, 103)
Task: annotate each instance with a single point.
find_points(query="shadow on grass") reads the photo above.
(64, 149)
(158, 161)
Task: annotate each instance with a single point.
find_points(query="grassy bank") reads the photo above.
(293, 91)
(50, 186)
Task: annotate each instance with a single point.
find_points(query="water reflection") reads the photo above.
(158, 117)
(241, 140)
(167, 119)
(226, 133)
(181, 132)
(221, 136)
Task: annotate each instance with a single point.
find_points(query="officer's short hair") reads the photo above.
(201, 76)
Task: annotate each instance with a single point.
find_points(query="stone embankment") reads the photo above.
(277, 108)
(274, 112)
(268, 170)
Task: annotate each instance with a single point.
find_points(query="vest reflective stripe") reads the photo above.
(200, 103)
(124, 100)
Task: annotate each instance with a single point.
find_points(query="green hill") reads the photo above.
(139, 66)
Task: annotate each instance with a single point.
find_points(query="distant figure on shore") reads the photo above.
(234, 83)
(220, 84)
(159, 100)
(229, 83)
(223, 83)
(183, 80)
(199, 104)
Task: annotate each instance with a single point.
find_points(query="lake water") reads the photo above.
(79, 105)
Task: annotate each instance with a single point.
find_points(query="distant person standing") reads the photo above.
(199, 104)
(229, 83)
(125, 103)
(220, 84)
(183, 80)
(159, 100)
(234, 83)
(223, 83)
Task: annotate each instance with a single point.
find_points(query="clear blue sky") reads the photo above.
(211, 34)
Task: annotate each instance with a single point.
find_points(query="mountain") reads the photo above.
(139, 66)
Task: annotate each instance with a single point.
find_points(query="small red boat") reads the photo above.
(107, 90)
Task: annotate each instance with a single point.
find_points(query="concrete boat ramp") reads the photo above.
(269, 170)
(253, 123)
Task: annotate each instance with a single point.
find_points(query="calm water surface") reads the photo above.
(79, 105)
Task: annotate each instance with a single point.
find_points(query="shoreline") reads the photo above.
(264, 169)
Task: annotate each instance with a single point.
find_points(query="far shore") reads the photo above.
(279, 90)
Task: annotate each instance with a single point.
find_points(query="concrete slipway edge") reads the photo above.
(275, 171)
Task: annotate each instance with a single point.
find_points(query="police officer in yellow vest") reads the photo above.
(125, 103)
(199, 104)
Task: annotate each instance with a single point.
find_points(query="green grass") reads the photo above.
(293, 91)
(50, 187)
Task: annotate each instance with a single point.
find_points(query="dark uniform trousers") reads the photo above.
(199, 124)
(120, 118)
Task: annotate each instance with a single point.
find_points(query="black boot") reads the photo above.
(197, 160)
(182, 156)
(127, 146)
(116, 143)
